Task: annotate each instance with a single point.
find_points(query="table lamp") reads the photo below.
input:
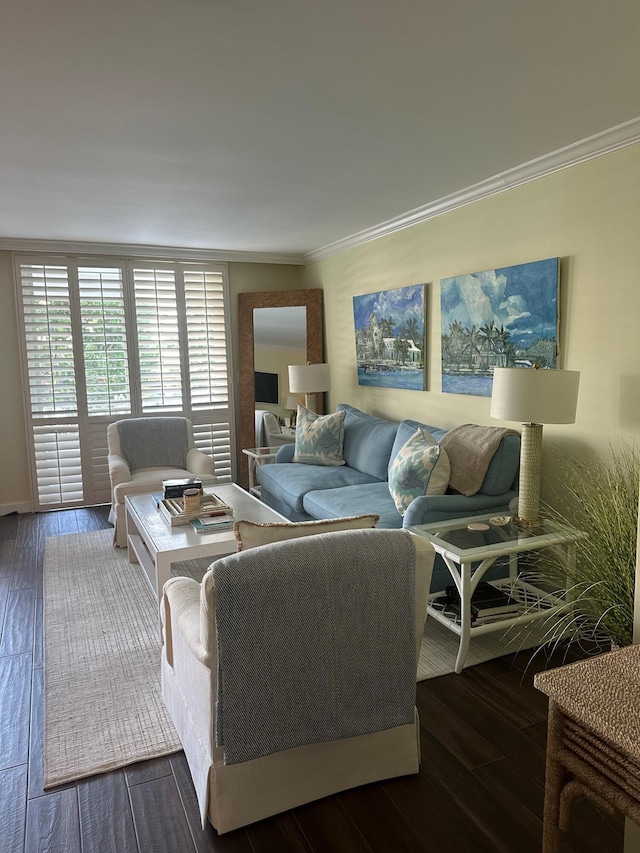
(309, 379)
(534, 397)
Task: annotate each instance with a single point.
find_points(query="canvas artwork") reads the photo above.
(390, 337)
(506, 317)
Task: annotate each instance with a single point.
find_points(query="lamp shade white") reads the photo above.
(309, 378)
(533, 397)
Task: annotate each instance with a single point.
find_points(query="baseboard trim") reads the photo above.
(23, 506)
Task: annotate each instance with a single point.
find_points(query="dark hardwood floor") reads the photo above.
(480, 786)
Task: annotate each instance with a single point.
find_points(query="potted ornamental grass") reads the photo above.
(599, 497)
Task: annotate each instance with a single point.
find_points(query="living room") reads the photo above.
(581, 206)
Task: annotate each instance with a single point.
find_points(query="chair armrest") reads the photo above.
(198, 462)
(180, 612)
(285, 454)
(119, 471)
(429, 509)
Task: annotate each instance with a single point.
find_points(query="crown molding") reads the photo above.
(61, 247)
(605, 142)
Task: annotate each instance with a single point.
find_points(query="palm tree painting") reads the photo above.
(390, 337)
(506, 317)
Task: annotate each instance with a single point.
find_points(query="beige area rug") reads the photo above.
(439, 647)
(103, 705)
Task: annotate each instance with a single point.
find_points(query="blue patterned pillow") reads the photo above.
(421, 467)
(319, 438)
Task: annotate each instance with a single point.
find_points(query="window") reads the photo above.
(104, 339)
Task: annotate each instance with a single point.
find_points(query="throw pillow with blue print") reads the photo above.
(420, 468)
(319, 438)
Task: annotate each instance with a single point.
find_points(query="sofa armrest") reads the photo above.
(119, 471)
(181, 614)
(430, 509)
(198, 462)
(285, 454)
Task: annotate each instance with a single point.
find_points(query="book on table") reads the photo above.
(487, 602)
(212, 525)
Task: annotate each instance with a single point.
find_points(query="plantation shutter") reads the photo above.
(158, 340)
(104, 339)
(49, 361)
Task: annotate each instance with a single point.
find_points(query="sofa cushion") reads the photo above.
(355, 500)
(319, 438)
(289, 482)
(406, 429)
(421, 467)
(252, 534)
(503, 468)
(367, 441)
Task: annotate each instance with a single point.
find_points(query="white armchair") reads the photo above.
(145, 451)
(274, 434)
(290, 672)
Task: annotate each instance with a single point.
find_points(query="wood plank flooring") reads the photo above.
(480, 786)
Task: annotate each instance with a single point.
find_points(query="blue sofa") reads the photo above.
(306, 492)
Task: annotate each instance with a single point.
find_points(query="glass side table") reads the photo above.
(468, 554)
(258, 456)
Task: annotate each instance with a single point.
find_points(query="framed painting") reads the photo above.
(390, 337)
(507, 317)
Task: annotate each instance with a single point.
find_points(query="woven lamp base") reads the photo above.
(530, 467)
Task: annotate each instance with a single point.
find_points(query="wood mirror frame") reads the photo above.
(312, 301)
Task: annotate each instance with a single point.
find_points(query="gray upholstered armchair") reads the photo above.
(290, 672)
(145, 451)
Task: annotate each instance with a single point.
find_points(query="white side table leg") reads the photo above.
(465, 615)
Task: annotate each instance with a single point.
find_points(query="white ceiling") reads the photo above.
(284, 126)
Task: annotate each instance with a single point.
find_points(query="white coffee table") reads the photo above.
(155, 545)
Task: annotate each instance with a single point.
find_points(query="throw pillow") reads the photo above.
(319, 438)
(421, 467)
(251, 534)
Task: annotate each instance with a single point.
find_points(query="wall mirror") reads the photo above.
(261, 315)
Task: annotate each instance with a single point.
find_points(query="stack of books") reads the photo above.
(488, 603)
(176, 488)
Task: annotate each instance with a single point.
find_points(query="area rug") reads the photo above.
(103, 705)
(439, 647)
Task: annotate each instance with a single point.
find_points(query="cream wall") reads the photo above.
(15, 489)
(589, 216)
(14, 468)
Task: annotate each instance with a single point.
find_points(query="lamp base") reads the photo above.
(530, 464)
(529, 523)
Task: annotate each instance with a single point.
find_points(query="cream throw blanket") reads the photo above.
(470, 449)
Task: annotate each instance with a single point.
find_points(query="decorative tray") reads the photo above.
(172, 509)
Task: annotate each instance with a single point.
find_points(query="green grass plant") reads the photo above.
(599, 497)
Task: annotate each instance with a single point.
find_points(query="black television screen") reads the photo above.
(266, 387)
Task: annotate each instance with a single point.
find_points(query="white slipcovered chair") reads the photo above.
(290, 672)
(269, 433)
(145, 451)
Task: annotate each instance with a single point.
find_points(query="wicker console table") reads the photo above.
(593, 746)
